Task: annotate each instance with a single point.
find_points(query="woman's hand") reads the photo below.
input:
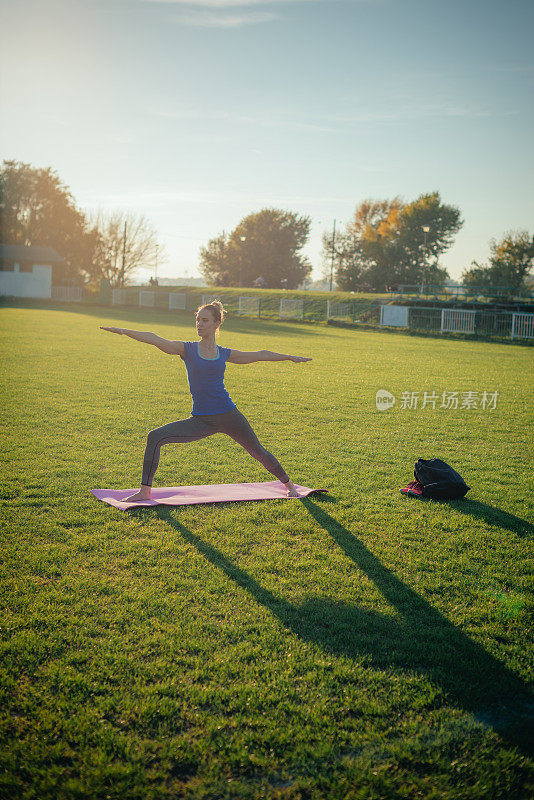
(112, 330)
(298, 359)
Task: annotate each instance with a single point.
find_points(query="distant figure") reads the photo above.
(260, 282)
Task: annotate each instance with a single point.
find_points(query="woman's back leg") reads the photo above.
(240, 430)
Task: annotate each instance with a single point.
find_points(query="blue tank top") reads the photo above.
(205, 377)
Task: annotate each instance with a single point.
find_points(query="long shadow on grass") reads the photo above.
(421, 640)
(493, 516)
(427, 642)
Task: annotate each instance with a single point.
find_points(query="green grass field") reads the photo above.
(354, 645)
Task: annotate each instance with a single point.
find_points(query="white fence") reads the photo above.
(486, 322)
(522, 326)
(118, 297)
(291, 309)
(177, 301)
(338, 310)
(457, 320)
(71, 294)
(394, 316)
(250, 306)
(147, 299)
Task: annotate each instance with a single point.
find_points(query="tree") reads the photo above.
(36, 208)
(366, 248)
(127, 243)
(385, 243)
(510, 262)
(264, 244)
(215, 261)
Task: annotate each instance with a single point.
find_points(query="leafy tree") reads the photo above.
(215, 261)
(385, 243)
(127, 243)
(36, 208)
(265, 244)
(510, 262)
(366, 247)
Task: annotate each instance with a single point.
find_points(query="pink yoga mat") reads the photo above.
(212, 493)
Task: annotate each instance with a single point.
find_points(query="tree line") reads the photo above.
(390, 242)
(386, 243)
(37, 208)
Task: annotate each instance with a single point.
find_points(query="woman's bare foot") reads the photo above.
(142, 494)
(291, 489)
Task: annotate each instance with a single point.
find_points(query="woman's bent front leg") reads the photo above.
(182, 431)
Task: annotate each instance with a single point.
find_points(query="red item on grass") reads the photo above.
(414, 489)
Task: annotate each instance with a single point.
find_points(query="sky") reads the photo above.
(199, 113)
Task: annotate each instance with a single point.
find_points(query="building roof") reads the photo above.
(34, 254)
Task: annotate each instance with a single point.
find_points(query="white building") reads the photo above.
(27, 271)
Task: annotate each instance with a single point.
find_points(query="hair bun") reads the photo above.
(219, 305)
(217, 308)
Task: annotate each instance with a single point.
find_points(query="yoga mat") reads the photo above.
(212, 493)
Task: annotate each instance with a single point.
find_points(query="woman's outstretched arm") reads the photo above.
(244, 357)
(173, 348)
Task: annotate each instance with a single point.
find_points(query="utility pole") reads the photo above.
(333, 251)
(123, 256)
(243, 239)
(426, 229)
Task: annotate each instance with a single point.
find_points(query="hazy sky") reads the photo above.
(198, 113)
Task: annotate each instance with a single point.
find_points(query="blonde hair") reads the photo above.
(216, 308)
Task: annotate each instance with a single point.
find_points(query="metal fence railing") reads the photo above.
(459, 291)
(425, 319)
(249, 306)
(380, 313)
(72, 294)
(499, 324)
(522, 326)
(457, 320)
(177, 301)
(291, 309)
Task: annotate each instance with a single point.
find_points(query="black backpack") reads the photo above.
(439, 480)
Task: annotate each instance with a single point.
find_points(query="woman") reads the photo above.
(213, 410)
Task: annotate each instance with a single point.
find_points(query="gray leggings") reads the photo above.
(233, 423)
